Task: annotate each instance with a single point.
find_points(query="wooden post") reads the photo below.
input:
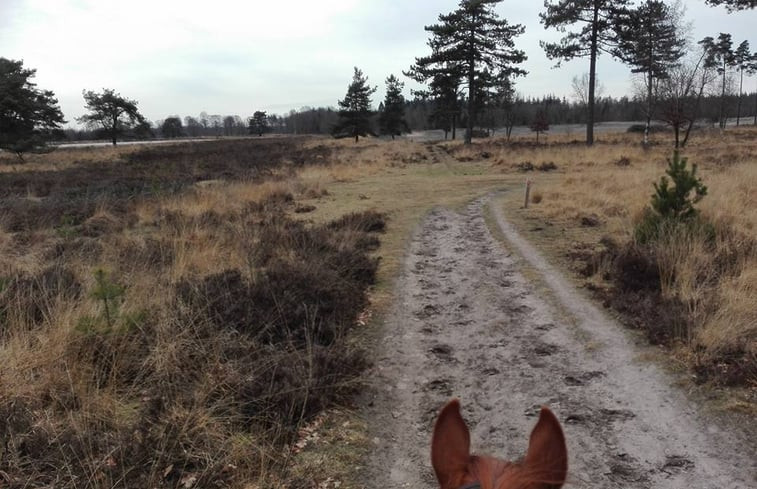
(528, 193)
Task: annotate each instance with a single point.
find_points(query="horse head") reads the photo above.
(545, 465)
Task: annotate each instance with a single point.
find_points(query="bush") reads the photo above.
(640, 128)
(652, 226)
(205, 390)
(672, 206)
(547, 166)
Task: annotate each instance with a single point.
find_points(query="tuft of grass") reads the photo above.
(228, 328)
(690, 284)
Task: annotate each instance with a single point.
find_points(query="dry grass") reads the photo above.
(66, 382)
(63, 158)
(713, 282)
(230, 332)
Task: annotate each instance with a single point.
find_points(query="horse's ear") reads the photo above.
(547, 459)
(450, 446)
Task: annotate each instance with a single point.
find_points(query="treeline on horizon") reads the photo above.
(468, 82)
(418, 112)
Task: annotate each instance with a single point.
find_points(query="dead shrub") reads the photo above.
(366, 222)
(304, 209)
(547, 166)
(623, 161)
(525, 166)
(30, 299)
(208, 387)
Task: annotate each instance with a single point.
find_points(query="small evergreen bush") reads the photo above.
(673, 206)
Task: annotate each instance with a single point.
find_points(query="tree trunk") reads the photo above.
(357, 138)
(471, 81)
(722, 98)
(592, 78)
(738, 106)
(114, 129)
(454, 126)
(649, 108)
(694, 114)
(677, 131)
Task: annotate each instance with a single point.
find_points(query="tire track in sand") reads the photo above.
(467, 324)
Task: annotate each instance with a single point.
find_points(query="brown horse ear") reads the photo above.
(546, 462)
(450, 446)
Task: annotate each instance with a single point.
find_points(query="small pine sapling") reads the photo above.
(672, 204)
(108, 292)
(540, 124)
(676, 202)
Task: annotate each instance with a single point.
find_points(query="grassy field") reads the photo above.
(699, 296)
(196, 314)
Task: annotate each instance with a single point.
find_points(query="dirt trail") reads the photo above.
(468, 324)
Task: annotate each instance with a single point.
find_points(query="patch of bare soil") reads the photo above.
(468, 324)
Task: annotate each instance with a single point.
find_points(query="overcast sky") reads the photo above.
(237, 56)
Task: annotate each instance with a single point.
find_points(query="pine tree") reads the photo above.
(673, 205)
(258, 123)
(720, 54)
(444, 90)
(733, 5)
(29, 117)
(752, 70)
(540, 124)
(111, 113)
(355, 109)
(596, 35)
(171, 127)
(467, 41)
(651, 42)
(676, 202)
(392, 113)
(742, 59)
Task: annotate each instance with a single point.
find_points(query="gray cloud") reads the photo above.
(235, 56)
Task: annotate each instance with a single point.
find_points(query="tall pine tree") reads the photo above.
(29, 117)
(743, 59)
(392, 117)
(651, 43)
(720, 55)
(258, 123)
(596, 19)
(733, 5)
(444, 93)
(355, 109)
(752, 70)
(466, 42)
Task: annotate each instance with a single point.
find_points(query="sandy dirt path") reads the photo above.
(467, 324)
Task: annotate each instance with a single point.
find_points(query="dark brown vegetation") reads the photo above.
(691, 288)
(152, 339)
(637, 274)
(36, 199)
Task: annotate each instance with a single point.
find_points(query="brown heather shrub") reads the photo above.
(690, 288)
(29, 300)
(207, 387)
(367, 222)
(203, 373)
(36, 199)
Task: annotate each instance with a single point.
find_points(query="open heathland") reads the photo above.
(191, 314)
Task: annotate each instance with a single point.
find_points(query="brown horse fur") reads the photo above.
(545, 465)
